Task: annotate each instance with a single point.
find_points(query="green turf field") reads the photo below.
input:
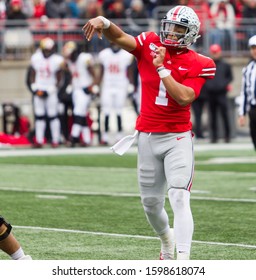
(86, 206)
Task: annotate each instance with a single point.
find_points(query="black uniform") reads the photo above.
(217, 90)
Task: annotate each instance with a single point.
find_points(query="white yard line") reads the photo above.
(120, 169)
(70, 167)
(57, 191)
(224, 199)
(51, 196)
(59, 151)
(223, 147)
(200, 147)
(49, 152)
(128, 236)
(227, 160)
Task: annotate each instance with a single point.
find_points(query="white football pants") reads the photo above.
(113, 99)
(81, 102)
(167, 160)
(47, 107)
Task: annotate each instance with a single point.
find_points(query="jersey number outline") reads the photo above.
(161, 99)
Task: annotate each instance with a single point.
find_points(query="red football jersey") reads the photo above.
(159, 111)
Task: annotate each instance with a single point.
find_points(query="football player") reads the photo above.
(44, 79)
(9, 244)
(81, 67)
(115, 76)
(172, 76)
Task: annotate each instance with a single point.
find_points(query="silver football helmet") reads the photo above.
(47, 46)
(69, 48)
(180, 27)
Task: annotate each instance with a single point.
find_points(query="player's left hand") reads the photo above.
(159, 56)
(41, 93)
(93, 26)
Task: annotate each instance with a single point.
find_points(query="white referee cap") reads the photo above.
(252, 41)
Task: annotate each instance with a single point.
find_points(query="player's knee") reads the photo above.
(152, 205)
(81, 120)
(5, 229)
(52, 118)
(179, 182)
(40, 117)
(177, 198)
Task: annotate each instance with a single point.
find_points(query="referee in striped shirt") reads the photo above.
(248, 92)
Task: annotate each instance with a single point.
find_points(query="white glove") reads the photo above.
(34, 87)
(95, 89)
(130, 88)
(69, 89)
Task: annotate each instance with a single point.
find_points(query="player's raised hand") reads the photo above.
(159, 56)
(93, 26)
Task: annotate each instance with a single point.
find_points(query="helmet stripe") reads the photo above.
(176, 12)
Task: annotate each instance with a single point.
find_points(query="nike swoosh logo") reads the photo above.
(181, 68)
(179, 138)
(179, 52)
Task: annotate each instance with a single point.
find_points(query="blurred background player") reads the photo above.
(81, 66)
(217, 90)
(44, 78)
(198, 107)
(135, 95)
(115, 75)
(9, 244)
(248, 92)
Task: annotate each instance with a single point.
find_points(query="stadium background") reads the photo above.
(15, 54)
(72, 203)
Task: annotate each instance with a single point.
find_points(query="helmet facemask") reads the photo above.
(172, 34)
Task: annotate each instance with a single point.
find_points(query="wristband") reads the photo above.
(106, 22)
(162, 72)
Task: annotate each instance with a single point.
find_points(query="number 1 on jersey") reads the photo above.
(161, 99)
